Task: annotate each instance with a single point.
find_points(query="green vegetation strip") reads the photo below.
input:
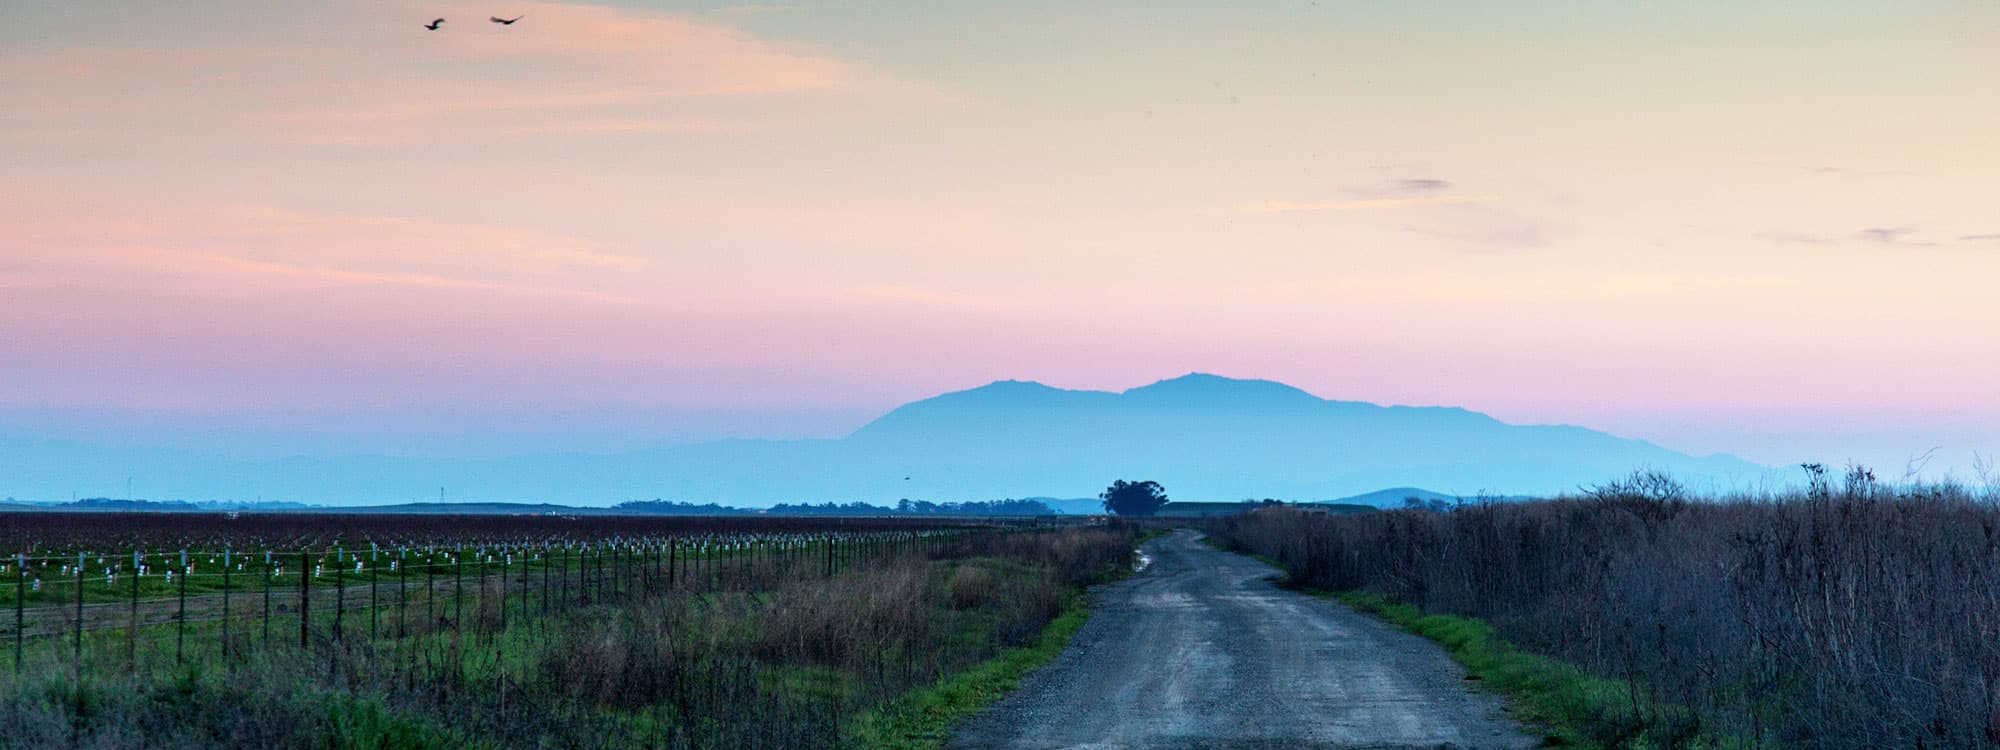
(1542, 691)
(923, 718)
(1559, 698)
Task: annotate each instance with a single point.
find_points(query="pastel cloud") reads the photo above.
(238, 251)
(1368, 204)
(1887, 235)
(567, 68)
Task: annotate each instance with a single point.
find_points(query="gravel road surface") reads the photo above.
(1201, 650)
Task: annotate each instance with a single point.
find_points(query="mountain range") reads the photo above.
(1204, 437)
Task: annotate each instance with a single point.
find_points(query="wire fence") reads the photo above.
(138, 611)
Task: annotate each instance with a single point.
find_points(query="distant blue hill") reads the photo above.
(1397, 497)
(1073, 506)
(1204, 437)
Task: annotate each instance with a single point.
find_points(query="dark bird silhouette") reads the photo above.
(433, 26)
(505, 21)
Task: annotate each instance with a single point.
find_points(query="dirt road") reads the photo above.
(1201, 650)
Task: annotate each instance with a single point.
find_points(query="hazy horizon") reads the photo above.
(256, 228)
(469, 433)
(1209, 437)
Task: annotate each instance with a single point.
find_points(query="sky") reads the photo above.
(1762, 228)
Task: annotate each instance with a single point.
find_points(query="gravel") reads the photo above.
(1202, 650)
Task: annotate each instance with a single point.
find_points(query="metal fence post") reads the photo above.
(132, 637)
(305, 600)
(225, 604)
(180, 616)
(79, 617)
(20, 603)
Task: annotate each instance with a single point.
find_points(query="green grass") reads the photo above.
(1575, 709)
(479, 661)
(923, 718)
(368, 723)
(1542, 691)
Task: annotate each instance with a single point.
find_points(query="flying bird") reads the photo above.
(505, 21)
(433, 26)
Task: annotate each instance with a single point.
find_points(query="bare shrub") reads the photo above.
(968, 586)
(1849, 615)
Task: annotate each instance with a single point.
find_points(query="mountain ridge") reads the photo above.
(1206, 437)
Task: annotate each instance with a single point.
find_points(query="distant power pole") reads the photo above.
(128, 488)
(440, 494)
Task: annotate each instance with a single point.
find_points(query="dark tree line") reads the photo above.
(917, 508)
(906, 507)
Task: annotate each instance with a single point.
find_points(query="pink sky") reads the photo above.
(1723, 229)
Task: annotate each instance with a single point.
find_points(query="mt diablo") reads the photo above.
(1204, 437)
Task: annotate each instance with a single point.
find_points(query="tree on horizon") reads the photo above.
(1134, 498)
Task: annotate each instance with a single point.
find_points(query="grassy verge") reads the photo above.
(1544, 692)
(923, 718)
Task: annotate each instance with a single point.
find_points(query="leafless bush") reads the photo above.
(1849, 615)
(968, 586)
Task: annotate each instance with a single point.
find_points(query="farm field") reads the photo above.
(290, 631)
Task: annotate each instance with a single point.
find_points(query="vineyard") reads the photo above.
(504, 631)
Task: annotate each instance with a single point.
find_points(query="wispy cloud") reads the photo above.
(1367, 204)
(1797, 238)
(256, 251)
(1886, 235)
(1428, 206)
(575, 69)
(1896, 236)
(1421, 185)
(1892, 236)
(933, 297)
(1857, 171)
(1488, 230)
(1406, 192)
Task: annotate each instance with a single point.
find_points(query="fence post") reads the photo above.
(374, 595)
(225, 604)
(180, 616)
(339, 596)
(132, 634)
(79, 618)
(20, 607)
(267, 597)
(479, 597)
(305, 600)
(431, 589)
